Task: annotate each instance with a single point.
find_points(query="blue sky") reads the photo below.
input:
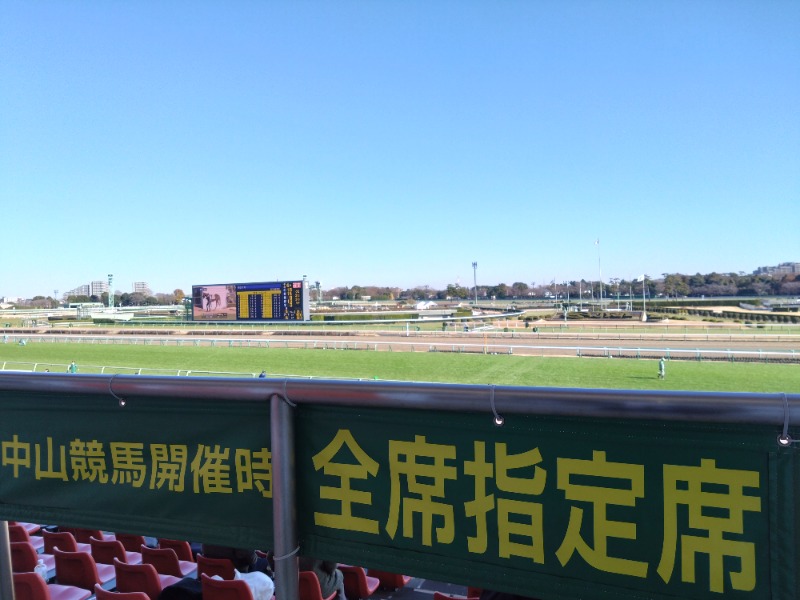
(394, 143)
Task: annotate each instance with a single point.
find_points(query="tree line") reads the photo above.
(669, 285)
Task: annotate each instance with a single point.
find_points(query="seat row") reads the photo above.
(85, 558)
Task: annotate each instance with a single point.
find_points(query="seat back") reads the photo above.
(308, 587)
(163, 559)
(137, 578)
(182, 548)
(130, 541)
(18, 533)
(357, 584)
(23, 557)
(215, 566)
(63, 540)
(105, 551)
(29, 586)
(77, 569)
(103, 594)
(222, 589)
(83, 535)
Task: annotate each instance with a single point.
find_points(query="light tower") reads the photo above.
(110, 291)
(475, 279)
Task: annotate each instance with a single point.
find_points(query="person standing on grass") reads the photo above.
(662, 368)
(72, 368)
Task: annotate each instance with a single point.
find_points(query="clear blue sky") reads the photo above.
(395, 142)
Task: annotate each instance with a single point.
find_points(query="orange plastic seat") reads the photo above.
(215, 566)
(18, 533)
(24, 558)
(29, 586)
(357, 584)
(103, 594)
(225, 589)
(80, 570)
(308, 587)
(167, 562)
(130, 541)
(141, 578)
(182, 548)
(105, 551)
(63, 540)
(390, 581)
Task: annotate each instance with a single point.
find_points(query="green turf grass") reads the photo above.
(407, 366)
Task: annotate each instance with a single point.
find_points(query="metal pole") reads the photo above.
(284, 517)
(599, 271)
(6, 574)
(475, 279)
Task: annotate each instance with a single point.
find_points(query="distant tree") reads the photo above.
(675, 285)
(136, 299)
(790, 288)
(165, 298)
(454, 291)
(422, 292)
(499, 291)
(179, 295)
(519, 289)
(42, 302)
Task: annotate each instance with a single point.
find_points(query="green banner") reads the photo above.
(551, 507)
(185, 469)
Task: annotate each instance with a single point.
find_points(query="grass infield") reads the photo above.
(411, 366)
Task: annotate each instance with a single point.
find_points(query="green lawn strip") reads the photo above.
(411, 366)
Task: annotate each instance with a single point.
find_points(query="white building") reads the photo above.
(141, 287)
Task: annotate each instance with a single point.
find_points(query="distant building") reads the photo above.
(98, 288)
(141, 287)
(81, 290)
(787, 268)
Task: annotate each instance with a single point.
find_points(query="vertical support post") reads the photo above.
(284, 517)
(6, 574)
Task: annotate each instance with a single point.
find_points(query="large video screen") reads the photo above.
(269, 301)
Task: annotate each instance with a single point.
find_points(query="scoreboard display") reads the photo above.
(267, 301)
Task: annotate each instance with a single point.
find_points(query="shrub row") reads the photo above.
(757, 316)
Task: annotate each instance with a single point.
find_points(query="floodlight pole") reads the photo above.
(475, 279)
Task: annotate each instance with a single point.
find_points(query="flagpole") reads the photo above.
(644, 298)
